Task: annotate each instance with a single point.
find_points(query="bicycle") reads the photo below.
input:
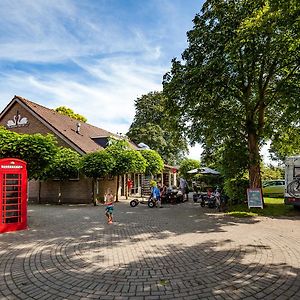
(293, 188)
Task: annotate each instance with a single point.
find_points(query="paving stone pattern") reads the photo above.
(177, 252)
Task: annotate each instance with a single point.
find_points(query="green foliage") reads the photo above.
(116, 144)
(286, 143)
(153, 183)
(271, 172)
(37, 150)
(239, 78)
(236, 189)
(155, 163)
(8, 143)
(69, 112)
(150, 134)
(187, 165)
(65, 164)
(153, 126)
(98, 164)
(127, 160)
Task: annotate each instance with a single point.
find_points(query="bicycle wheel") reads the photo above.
(293, 188)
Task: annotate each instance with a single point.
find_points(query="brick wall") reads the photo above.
(34, 125)
(104, 185)
(77, 191)
(72, 191)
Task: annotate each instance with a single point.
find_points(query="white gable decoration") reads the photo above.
(17, 121)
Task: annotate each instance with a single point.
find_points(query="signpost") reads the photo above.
(254, 197)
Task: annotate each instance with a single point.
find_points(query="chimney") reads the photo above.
(78, 128)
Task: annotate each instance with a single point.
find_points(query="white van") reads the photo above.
(292, 181)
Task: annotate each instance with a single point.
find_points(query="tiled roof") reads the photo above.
(66, 126)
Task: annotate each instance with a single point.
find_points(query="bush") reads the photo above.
(236, 189)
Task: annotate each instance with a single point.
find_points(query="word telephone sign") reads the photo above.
(13, 194)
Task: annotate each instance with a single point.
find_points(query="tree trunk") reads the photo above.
(126, 186)
(254, 161)
(93, 192)
(59, 192)
(39, 192)
(117, 193)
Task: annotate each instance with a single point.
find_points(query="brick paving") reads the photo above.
(177, 252)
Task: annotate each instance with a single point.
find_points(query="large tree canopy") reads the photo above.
(153, 126)
(155, 163)
(98, 164)
(239, 76)
(65, 164)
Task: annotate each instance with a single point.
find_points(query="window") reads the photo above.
(296, 171)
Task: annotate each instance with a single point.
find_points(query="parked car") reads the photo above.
(273, 188)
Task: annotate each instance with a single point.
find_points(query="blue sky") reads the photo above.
(94, 56)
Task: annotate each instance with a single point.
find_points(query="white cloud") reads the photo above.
(107, 102)
(81, 55)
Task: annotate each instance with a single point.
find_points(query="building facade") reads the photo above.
(26, 117)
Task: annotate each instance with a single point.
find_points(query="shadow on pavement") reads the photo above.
(180, 251)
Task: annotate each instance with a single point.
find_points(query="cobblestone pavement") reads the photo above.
(177, 252)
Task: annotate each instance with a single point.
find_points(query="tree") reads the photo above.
(69, 112)
(187, 165)
(239, 76)
(153, 126)
(155, 163)
(97, 164)
(37, 150)
(64, 165)
(127, 160)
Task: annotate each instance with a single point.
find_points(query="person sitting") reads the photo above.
(155, 194)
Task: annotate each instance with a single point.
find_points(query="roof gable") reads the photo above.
(64, 126)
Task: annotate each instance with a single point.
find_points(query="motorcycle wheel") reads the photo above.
(134, 203)
(202, 203)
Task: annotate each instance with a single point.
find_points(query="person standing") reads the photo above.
(109, 206)
(184, 188)
(129, 186)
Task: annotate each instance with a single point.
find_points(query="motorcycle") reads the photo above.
(172, 196)
(210, 200)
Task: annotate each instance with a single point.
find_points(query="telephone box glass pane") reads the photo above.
(11, 205)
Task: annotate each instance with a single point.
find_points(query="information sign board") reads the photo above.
(254, 197)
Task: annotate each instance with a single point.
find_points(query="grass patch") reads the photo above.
(274, 207)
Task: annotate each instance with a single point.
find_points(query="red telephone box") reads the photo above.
(13, 194)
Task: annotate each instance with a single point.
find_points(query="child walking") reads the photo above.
(109, 206)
